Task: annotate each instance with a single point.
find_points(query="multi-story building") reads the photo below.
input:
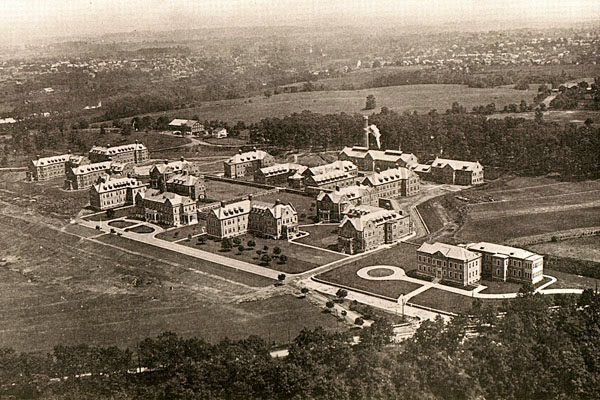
(509, 263)
(422, 170)
(111, 193)
(128, 153)
(186, 125)
(275, 221)
(228, 220)
(46, 168)
(246, 164)
(84, 176)
(166, 208)
(456, 172)
(373, 160)
(187, 185)
(331, 205)
(392, 183)
(277, 174)
(329, 181)
(162, 172)
(449, 263)
(366, 228)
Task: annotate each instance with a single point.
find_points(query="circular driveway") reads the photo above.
(396, 273)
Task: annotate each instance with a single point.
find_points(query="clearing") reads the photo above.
(587, 248)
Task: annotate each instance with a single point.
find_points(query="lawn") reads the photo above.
(173, 235)
(507, 287)
(80, 230)
(570, 281)
(421, 98)
(504, 228)
(121, 224)
(223, 191)
(185, 261)
(430, 213)
(324, 236)
(140, 229)
(587, 248)
(58, 289)
(299, 258)
(448, 301)
(303, 204)
(111, 214)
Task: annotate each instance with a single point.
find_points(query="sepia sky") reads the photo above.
(22, 20)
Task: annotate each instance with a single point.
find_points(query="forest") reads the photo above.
(539, 348)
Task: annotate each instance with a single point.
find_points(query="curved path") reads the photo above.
(399, 274)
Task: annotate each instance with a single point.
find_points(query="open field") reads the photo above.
(300, 258)
(570, 281)
(302, 204)
(324, 236)
(421, 98)
(587, 248)
(448, 301)
(561, 116)
(173, 235)
(217, 190)
(58, 289)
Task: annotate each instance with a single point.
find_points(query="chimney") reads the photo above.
(37, 157)
(222, 204)
(240, 151)
(250, 197)
(366, 129)
(277, 202)
(165, 161)
(136, 141)
(254, 148)
(337, 188)
(107, 145)
(181, 158)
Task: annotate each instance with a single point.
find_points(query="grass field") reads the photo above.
(58, 289)
(173, 235)
(448, 301)
(217, 190)
(587, 248)
(421, 98)
(324, 236)
(570, 281)
(302, 204)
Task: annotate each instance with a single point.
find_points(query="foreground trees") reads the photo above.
(540, 348)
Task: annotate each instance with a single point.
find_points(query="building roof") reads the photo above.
(365, 214)
(279, 169)
(113, 150)
(448, 250)
(392, 156)
(457, 164)
(388, 176)
(420, 168)
(349, 193)
(501, 250)
(95, 167)
(247, 157)
(183, 122)
(172, 166)
(276, 210)
(157, 196)
(51, 160)
(232, 210)
(185, 180)
(116, 184)
(329, 177)
(355, 152)
(339, 165)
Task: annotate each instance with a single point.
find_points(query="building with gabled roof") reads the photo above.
(422, 170)
(160, 173)
(84, 176)
(332, 204)
(395, 182)
(507, 263)
(111, 193)
(244, 164)
(456, 172)
(277, 174)
(329, 180)
(46, 168)
(228, 220)
(366, 228)
(187, 185)
(275, 221)
(450, 263)
(128, 153)
(373, 160)
(186, 125)
(166, 208)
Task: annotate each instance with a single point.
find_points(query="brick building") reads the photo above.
(456, 172)
(128, 153)
(277, 174)
(46, 168)
(392, 183)
(331, 205)
(246, 164)
(84, 176)
(187, 185)
(186, 125)
(228, 220)
(275, 221)
(166, 208)
(449, 263)
(162, 172)
(506, 263)
(373, 160)
(366, 228)
(111, 193)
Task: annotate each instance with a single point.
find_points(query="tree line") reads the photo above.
(539, 348)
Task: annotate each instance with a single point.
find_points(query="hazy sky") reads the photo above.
(24, 19)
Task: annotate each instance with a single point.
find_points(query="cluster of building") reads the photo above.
(195, 128)
(465, 265)
(453, 172)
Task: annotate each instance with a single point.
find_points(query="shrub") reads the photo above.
(359, 321)
(251, 243)
(241, 248)
(329, 304)
(276, 251)
(304, 290)
(283, 258)
(266, 259)
(281, 277)
(237, 241)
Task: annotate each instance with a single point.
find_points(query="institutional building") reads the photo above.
(449, 263)
(332, 204)
(277, 174)
(246, 164)
(162, 172)
(392, 183)
(506, 263)
(166, 208)
(456, 172)
(46, 168)
(186, 125)
(326, 177)
(366, 228)
(84, 176)
(187, 185)
(372, 160)
(111, 193)
(129, 153)
(276, 221)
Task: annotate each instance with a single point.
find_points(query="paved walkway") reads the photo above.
(197, 253)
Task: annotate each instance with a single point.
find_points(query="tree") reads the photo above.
(226, 244)
(281, 277)
(276, 251)
(329, 305)
(237, 241)
(371, 103)
(241, 248)
(341, 293)
(189, 237)
(265, 248)
(283, 259)
(538, 115)
(304, 290)
(266, 259)
(251, 243)
(359, 321)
